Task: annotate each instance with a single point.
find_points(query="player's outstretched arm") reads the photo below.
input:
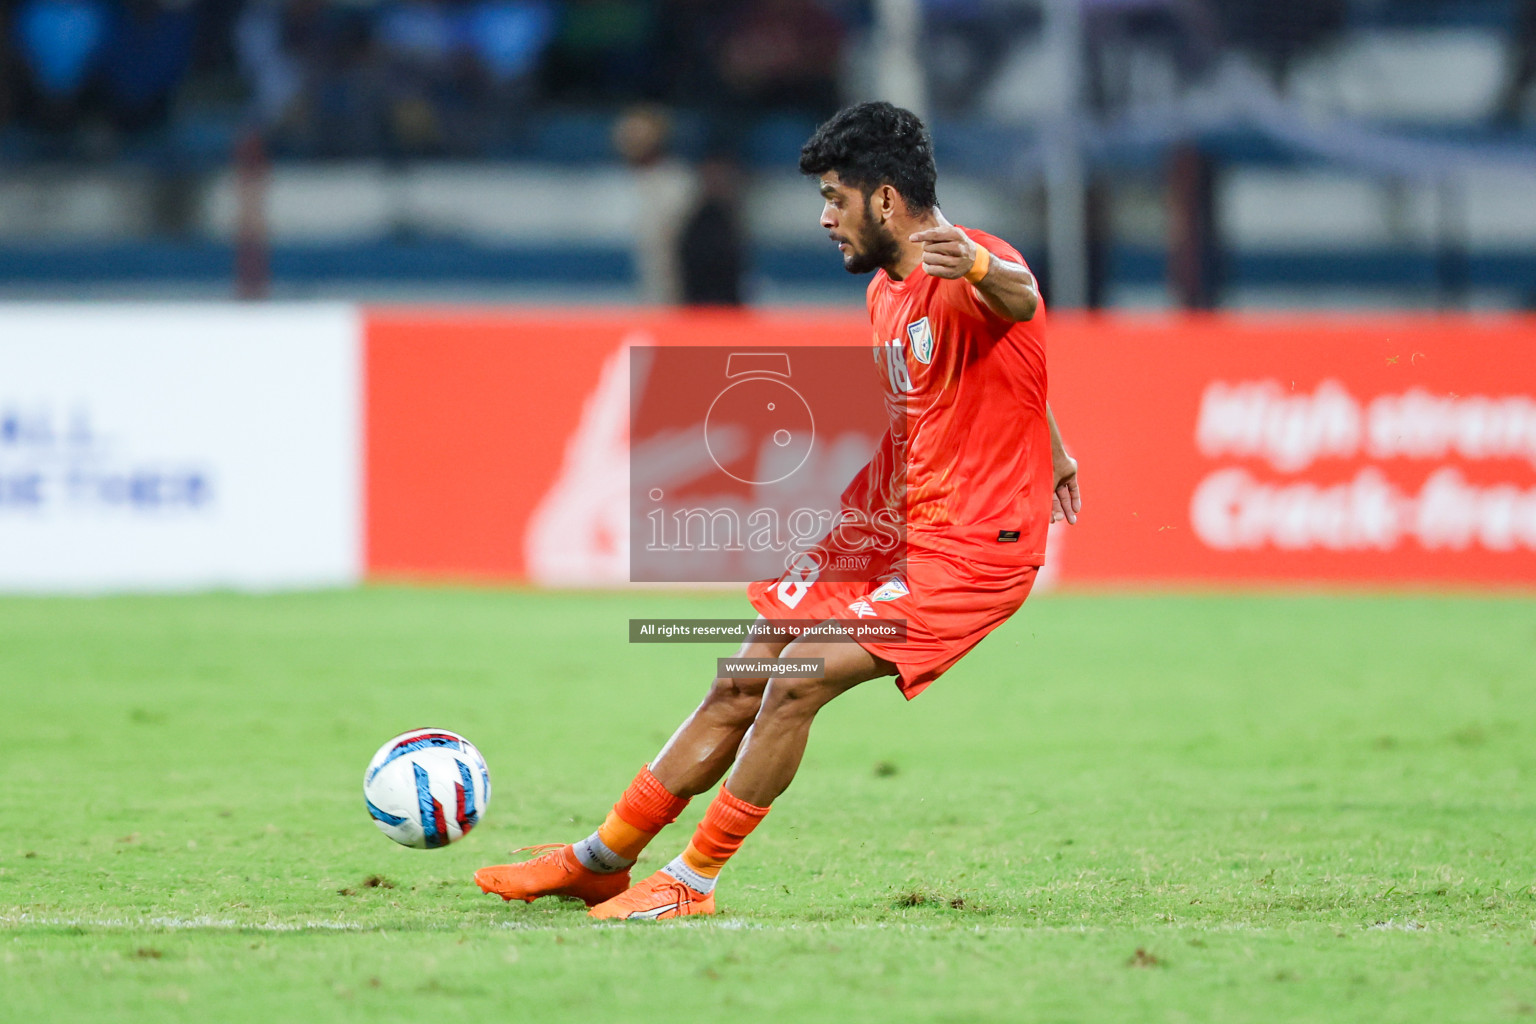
(1066, 499)
(1008, 288)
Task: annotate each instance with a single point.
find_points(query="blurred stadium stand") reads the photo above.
(1314, 153)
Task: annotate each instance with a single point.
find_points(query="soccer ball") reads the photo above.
(426, 788)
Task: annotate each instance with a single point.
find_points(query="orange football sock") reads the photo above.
(727, 822)
(644, 810)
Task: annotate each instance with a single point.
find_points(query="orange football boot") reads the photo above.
(655, 899)
(556, 873)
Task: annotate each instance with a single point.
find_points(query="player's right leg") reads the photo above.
(693, 760)
(768, 761)
(703, 748)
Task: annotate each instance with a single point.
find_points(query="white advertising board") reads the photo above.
(159, 447)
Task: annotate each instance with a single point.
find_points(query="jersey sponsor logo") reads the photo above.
(920, 336)
(890, 591)
(863, 608)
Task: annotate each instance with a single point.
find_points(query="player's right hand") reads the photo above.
(948, 252)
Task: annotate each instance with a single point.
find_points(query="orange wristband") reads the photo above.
(980, 267)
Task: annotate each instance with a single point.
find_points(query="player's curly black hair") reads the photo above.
(874, 144)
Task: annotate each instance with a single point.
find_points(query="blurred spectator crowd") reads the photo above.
(408, 77)
(339, 78)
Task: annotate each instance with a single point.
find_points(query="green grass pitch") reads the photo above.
(1119, 808)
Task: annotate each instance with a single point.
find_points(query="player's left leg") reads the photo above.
(766, 764)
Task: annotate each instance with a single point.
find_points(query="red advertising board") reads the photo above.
(498, 441)
(1361, 450)
(1215, 449)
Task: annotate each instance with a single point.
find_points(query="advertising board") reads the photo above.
(150, 447)
(1225, 449)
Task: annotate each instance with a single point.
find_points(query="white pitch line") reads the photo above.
(209, 923)
(1390, 925)
(202, 923)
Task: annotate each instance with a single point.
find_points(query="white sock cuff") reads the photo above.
(680, 870)
(594, 855)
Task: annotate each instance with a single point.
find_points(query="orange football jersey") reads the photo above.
(967, 461)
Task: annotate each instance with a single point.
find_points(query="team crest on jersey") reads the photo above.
(890, 591)
(920, 337)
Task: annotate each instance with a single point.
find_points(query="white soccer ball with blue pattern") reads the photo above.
(427, 788)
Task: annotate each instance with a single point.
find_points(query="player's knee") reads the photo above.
(735, 699)
(794, 696)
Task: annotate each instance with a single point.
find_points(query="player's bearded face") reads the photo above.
(871, 245)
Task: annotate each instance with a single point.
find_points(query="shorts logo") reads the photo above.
(863, 607)
(920, 337)
(892, 590)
